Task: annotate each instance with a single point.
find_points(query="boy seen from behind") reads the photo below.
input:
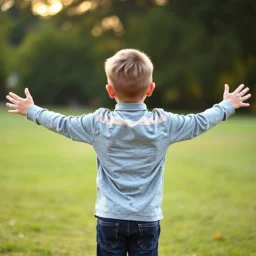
(131, 144)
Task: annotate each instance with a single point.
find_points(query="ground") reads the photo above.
(48, 192)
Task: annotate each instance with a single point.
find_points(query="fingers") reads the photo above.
(12, 100)
(243, 92)
(226, 88)
(246, 97)
(11, 105)
(15, 96)
(13, 111)
(27, 93)
(244, 105)
(239, 88)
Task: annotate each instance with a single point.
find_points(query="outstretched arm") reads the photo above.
(187, 127)
(79, 128)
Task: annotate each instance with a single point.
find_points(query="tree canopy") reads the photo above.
(57, 48)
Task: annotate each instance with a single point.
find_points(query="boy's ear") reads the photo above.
(150, 89)
(110, 91)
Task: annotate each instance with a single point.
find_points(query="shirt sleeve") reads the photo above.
(78, 128)
(186, 127)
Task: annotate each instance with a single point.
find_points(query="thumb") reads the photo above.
(27, 93)
(226, 89)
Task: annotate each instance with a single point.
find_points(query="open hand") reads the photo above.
(237, 97)
(20, 105)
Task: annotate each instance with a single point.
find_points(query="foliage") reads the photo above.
(196, 47)
(3, 72)
(3, 59)
(55, 65)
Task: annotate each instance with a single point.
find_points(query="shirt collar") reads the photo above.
(130, 106)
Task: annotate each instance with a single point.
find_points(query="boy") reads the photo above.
(131, 145)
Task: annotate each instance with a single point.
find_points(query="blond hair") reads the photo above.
(130, 72)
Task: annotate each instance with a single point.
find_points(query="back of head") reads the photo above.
(130, 72)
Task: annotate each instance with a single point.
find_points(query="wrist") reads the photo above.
(27, 109)
(231, 102)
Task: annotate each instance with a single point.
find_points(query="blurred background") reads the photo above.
(57, 48)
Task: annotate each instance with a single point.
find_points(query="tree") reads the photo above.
(195, 46)
(3, 58)
(55, 65)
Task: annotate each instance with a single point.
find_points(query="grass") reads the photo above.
(48, 192)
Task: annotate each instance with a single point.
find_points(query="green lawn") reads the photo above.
(47, 192)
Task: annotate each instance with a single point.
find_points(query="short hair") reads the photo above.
(130, 72)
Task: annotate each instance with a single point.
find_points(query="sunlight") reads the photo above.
(7, 5)
(161, 2)
(109, 23)
(96, 31)
(40, 9)
(84, 7)
(55, 8)
(67, 2)
(112, 22)
(44, 10)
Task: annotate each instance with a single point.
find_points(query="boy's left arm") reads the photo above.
(189, 126)
(79, 128)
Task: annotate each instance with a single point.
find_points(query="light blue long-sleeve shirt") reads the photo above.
(131, 143)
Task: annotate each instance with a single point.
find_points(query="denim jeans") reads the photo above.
(119, 237)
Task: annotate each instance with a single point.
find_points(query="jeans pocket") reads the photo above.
(107, 236)
(149, 234)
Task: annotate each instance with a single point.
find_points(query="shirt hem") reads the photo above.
(132, 217)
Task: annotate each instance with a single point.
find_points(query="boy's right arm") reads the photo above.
(79, 128)
(189, 126)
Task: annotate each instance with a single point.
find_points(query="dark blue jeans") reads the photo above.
(119, 237)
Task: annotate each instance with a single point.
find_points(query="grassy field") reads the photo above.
(47, 192)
